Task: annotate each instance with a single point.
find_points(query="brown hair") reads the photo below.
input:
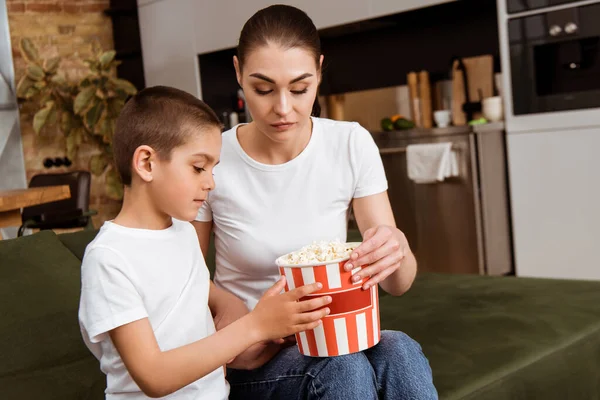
(282, 25)
(162, 118)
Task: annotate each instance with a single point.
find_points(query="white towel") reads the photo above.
(432, 162)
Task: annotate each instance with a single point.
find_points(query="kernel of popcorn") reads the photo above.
(319, 252)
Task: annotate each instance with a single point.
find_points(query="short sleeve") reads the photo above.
(367, 165)
(109, 298)
(205, 212)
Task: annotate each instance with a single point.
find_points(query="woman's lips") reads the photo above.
(282, 126)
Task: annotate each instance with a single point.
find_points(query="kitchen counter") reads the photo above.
(381, 138)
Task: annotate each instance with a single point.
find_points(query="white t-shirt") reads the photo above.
(261, 211)
(129, 274)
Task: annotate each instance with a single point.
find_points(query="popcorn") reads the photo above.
(319, 252)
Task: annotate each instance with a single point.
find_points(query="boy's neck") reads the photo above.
(139, 212)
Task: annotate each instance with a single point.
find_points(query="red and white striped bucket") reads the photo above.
(353, 323)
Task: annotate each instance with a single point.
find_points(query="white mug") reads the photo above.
(492, 108)
(442, 118)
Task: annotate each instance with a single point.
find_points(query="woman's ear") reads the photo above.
(238, 74)
(143, 162)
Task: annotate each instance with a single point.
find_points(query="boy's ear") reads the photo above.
(143, 161)
(238, 74)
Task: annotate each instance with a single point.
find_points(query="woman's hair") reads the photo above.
(285, 26)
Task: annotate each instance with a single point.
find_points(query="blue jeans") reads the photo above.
(395, 369)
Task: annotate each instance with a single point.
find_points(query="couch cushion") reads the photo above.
(76, 242)
(42, 354)
(504, 337)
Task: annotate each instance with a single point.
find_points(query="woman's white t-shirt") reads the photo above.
(261, 211)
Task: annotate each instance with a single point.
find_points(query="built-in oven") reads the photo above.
(555, 59)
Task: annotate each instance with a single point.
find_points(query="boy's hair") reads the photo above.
(160, 117)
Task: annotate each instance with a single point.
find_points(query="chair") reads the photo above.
(70, 213)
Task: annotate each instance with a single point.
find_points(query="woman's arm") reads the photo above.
(384, 248)
(203, 229)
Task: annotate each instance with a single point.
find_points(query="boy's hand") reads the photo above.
(280, 315)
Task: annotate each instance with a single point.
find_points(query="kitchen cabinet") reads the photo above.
(168, 48)
(174, 32)
(218, 24)
(460, 225)
(555, 200)
(378, 8)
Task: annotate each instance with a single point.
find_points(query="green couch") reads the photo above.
(486, 338)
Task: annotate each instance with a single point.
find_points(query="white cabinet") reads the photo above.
(168, 47)
(378, 8)
(218, 24)
(555, 199)
(174, 32)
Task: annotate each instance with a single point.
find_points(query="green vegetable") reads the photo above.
(403, 123)
(387, 124)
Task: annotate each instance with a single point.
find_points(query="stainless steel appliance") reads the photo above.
(460, 225)
(555, 59)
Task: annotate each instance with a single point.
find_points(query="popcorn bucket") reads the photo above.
(353, 323)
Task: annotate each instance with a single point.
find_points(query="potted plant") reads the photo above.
(83, 110)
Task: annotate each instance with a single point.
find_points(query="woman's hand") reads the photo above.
(381, 252)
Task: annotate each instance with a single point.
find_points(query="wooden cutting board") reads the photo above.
(480, 75)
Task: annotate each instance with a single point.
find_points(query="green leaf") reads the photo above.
(23, 86)
(73, 142)
(114, 187)
(66, 122)
(83, 99)
(107, 129)
(51, 65)
(125, 86)
(35, 72)
(93, 115)
(28, 50)
(40, 85)
(106, 58)
(58, 79)
(52, 115)
(98, 163)
(31, 92)
(40, 117)
(115, 105)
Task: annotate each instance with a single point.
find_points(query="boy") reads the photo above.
(144, 309)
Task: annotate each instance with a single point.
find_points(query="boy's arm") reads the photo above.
(160, 373)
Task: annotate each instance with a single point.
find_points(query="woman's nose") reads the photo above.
(282, 105)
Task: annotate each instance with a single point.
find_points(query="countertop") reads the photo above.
(438, 132)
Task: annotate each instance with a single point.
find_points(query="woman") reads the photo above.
(285, 180)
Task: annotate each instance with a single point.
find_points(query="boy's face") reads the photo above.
(181, 184)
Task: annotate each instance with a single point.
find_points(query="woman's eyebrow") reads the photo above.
(267, 79)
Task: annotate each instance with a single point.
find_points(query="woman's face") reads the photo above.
(280, 86)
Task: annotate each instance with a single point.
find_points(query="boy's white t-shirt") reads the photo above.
(261, 211)
(129, 274)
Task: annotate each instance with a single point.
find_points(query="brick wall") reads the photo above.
(65, 28)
